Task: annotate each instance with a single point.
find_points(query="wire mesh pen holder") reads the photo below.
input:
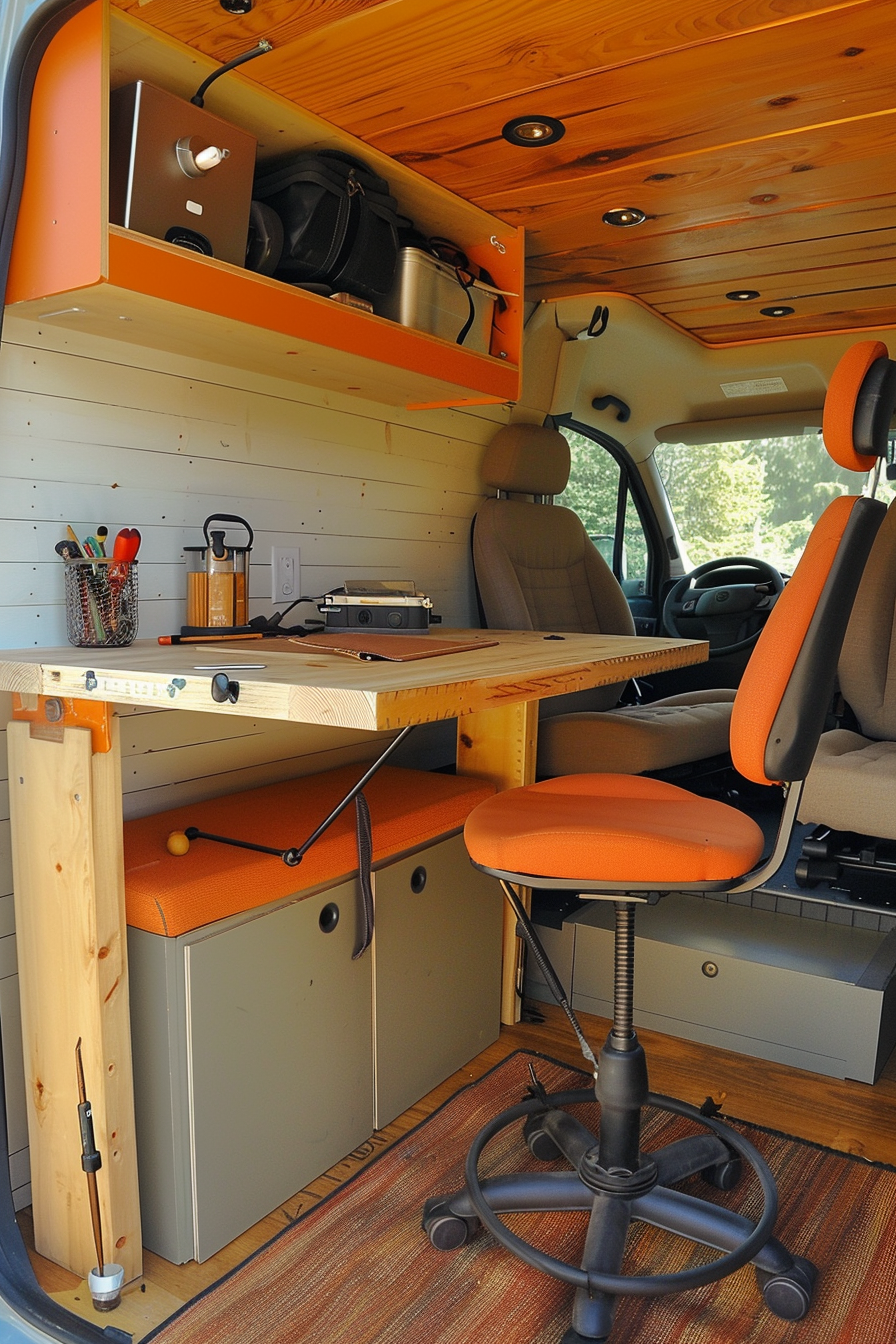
(101, 603)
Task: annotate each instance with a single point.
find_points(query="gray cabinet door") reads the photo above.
(437, 972)
(279, 1059)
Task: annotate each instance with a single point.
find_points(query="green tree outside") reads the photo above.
(756, 497)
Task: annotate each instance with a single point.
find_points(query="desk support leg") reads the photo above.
(499, 745)
(65, 805)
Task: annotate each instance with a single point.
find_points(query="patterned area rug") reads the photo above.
(357, 1269)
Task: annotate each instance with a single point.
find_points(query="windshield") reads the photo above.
(757, 497)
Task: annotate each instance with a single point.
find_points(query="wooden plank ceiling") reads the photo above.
(757, 136)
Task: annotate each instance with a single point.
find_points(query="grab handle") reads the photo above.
(227, 518)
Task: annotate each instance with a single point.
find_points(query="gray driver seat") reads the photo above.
(537, 569)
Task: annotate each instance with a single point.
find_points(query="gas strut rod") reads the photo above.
(293, 857)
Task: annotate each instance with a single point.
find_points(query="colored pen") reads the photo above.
(203, 639)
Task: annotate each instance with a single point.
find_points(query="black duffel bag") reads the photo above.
(339, 223)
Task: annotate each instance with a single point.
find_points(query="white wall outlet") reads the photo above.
(285, 574)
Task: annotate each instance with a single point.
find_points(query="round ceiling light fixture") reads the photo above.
(742, 295)
(779, 310)
(533, 131)
(625, 217)
(236, 6)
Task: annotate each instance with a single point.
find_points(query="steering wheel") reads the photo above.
(723, 610)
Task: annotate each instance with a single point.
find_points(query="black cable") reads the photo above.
(268, 624)
(263, 47)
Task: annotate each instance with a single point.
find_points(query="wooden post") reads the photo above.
(499, 745)
(65, 806)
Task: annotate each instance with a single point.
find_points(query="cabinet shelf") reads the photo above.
(71, 267)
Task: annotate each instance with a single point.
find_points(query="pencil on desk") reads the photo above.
(204, 639)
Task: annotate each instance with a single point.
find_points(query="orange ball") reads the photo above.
(177, 843)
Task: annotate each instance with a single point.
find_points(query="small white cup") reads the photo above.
(105, 1287)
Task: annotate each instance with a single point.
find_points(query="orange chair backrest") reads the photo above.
(786, 690)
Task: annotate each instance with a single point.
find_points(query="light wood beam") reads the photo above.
(65, 804)
(499, 745)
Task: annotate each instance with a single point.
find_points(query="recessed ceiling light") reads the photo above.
(626, 217)
(532, 131)
(742, 295)
(236, 6)
(780, 310)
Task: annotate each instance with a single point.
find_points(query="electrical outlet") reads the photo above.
(285, 574)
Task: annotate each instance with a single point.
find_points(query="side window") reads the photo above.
(599, 493)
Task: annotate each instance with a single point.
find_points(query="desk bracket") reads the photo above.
(50, 715)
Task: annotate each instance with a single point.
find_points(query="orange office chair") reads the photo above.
(631, 839)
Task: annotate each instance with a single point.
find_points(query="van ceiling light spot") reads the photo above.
(625, 217)
(236, 6)
(780, 310)
(742, 295)
(533, 131)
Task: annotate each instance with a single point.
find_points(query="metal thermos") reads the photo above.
(218, 577)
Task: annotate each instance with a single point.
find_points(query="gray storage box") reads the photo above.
(428, 296)
(801, 992)
(155, 186)
(263, 1052)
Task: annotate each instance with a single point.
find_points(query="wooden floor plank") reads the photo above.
(849, 1116)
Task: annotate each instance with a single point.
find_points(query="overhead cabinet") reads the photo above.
(73, 268)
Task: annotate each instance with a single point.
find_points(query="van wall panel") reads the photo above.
(164, 730)
(7, 915)
(5, 858)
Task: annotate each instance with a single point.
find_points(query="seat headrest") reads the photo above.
(527, 460)
(859, 406)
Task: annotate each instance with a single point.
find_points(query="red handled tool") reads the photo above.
(124, 550)
(126, 545)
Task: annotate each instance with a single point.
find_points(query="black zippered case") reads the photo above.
(340, 223)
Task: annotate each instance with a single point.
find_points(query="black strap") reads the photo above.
(466, 281)
(365, 854)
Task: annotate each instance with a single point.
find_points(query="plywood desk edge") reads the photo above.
(334, 691)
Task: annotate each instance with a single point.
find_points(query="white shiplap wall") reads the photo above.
(94, 431)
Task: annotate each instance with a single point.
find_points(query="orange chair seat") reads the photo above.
(170, 895)
(613, 828)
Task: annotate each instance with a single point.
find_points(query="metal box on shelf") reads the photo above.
(428, 296)
(178, 173)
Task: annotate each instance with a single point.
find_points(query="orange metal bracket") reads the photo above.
(53, 713)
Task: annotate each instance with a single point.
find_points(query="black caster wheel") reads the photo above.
(724, 1175)
(540, 1144)
(446, 1230)
(573, 1337)
(789, 1296)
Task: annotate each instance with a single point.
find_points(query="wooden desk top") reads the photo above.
(341, 692)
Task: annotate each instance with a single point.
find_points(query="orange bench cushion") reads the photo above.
(170, 895)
